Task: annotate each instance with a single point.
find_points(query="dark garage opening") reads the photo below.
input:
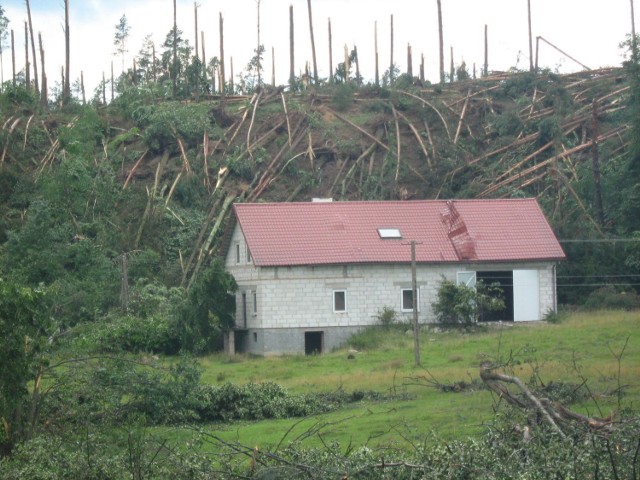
(504, 281)
(313, 342)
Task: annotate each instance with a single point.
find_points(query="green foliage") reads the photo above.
(163, 123)
(460, 304)
(387, 316)
(612, 298)
(508, 123)
(208, 310)
(342, 97)
(24, 329)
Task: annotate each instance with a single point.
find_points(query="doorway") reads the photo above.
(313, 342)
(503, 280)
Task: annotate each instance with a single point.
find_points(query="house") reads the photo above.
(312, 274)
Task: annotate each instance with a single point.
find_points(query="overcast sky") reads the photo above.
(588, 30)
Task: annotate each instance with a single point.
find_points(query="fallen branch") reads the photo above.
(360, 129)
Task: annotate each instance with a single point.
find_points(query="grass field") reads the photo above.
(601, 348)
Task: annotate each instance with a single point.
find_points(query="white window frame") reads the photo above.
(237, 253)
(409, 310)
(248, 254)
(335, 292)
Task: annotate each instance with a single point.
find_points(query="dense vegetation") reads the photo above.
(112, 216)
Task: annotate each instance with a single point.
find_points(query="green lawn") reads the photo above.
(585, 346)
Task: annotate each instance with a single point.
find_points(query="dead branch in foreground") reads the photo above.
(553, 413)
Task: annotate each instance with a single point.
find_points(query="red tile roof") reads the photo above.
(287, 234)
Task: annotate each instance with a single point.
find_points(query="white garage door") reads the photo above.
(526, 296)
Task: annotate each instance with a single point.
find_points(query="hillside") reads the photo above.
(168, 170)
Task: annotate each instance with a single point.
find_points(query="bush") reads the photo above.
(460, 304)
(609, 297)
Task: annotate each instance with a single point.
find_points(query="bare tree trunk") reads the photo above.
(84, 98)
(33, 49)
(104, 89)
(441, 41)
(292, 73)
(258, 63)
(67, 39)
(347, 67)
(355, 49)
(112, 82)
(223, 79)
(153, 68)
(273, 67)
(43, 90)
(422, 67)
(634, 41)
(231, 87)
(330, 52)
(175, 51)
(195, 15)
(452, 71)
(313, 44)
(204, 60)
(409, 61)
(530, 36)
(27, 66)
(13, 57)
(375, 44)
(595, 164)
(391, 62)
(485, 70)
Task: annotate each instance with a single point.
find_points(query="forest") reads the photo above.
(113, 208)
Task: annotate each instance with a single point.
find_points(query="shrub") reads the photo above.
(460, 304)
(387, 317)
(610, 298)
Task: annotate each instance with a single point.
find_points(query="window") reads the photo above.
(389, 233)
(339, 300)
(255, 302)
(406, 300)
(248, 255)
(237, 253)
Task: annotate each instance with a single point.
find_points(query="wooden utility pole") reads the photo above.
(313, 44)
(33, 50)
(441, 41)
(485, 70)
(330, 52)
(292, 73)
(530, 36)
(375, 44)
(414, 289)
(67, 38)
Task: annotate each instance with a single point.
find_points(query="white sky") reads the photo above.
(588, 30)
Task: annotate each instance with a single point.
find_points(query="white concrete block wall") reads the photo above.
(302, 297)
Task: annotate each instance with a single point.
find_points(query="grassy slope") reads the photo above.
(584, 346)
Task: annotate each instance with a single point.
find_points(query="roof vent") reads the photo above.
(321, 200)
